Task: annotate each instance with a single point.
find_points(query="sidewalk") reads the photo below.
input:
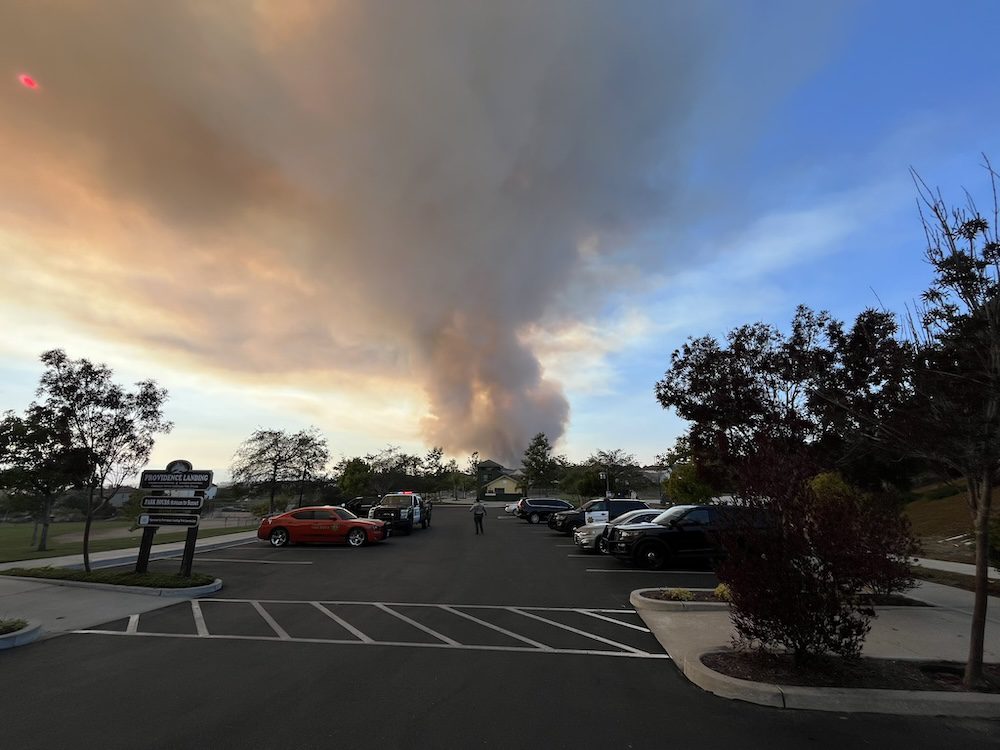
(116, 557)
(62, 609)
(954, 567)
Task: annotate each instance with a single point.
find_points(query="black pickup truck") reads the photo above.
(402, 511)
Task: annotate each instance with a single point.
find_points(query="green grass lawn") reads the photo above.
(15, 539)
(11, 626)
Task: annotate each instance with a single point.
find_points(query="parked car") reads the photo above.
(684, 533)
(322, 523)
(537, 509)
(594, 536)
(591, 512)
(510, 508)
(403, 511)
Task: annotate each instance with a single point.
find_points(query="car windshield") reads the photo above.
(397, 501)
(633, 517)
(671, 514)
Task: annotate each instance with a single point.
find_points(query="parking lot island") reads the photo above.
(926, 634)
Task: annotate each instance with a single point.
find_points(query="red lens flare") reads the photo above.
(27, 81)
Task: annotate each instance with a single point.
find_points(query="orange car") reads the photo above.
(322, 523)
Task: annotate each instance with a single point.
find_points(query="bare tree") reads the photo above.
(266, 457)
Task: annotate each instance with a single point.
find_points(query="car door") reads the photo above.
(693, 534)
(326, 527)
(417, 510)
(300, 526)
(596, 512)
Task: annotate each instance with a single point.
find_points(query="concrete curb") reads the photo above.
(21, 637)
(636, 599)
(192, 591)
(840, 700)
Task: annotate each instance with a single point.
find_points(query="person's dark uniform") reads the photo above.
(478, 514)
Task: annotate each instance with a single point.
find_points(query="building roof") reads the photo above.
(488, 464)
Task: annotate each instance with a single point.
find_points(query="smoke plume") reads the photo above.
(354, 190)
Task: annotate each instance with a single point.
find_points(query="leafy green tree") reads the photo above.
(686, 488)
(113, 427)
(539, 466)
(354, 477)
(38, 462)
(621, 470)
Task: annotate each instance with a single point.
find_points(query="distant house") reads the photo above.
(504, 486)
(488, 471)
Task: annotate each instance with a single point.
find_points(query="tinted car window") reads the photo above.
(303, 515)
(323, 515)
(700, 516)
(344, 514)
(672, 514)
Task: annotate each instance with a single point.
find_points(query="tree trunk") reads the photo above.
(86, 530)
(274, 485)
(34, 532)
(983, 490)
(47, 510)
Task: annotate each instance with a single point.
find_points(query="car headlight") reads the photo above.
(628, 534)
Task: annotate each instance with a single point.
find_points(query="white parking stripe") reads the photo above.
(274, 639)
(247, 560)
(612, 619)
(661, 572)
(199, 618)
(414, 623)
(576, 630)
(133, 624)
(341, 621)
(271, 621)
(497, 628)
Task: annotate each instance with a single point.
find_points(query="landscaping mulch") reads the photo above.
(118, 578)
(885, 674)
(12, 626)
(699, 596)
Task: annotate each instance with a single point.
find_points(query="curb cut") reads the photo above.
(21, 637)
(839, 700)
(192, 591)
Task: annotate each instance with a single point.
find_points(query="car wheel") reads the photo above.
(356, 537)
(534, 518)
(602, 546)
(652, 556)
(278, 538)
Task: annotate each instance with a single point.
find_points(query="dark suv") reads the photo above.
(535, 509)
(684, 533)
(594, 511)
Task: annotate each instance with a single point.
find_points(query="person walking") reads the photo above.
(478, 514)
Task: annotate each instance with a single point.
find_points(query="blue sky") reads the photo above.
(621, 176)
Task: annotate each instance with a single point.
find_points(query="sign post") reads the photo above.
(176, 500)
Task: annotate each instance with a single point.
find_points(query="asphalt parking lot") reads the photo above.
(441, 639)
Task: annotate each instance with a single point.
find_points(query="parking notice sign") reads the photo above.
(172, 503)
(169, 519)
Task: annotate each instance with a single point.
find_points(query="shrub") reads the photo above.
(260, 509)
(678, 595)
(795, 580)
(11, 626)
(722, 593)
